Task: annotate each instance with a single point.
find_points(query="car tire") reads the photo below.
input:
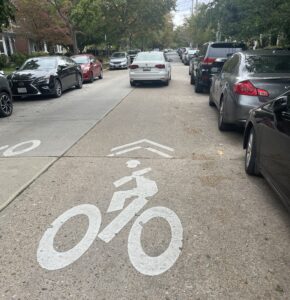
(210, 101)
(166, 83)
(101, 76)
(79, 83)
(221, 123)
(251, 154)
(192, 79)
(198, 87)
(57, 89)
(6, 105)
(91, 77)
(132, 83)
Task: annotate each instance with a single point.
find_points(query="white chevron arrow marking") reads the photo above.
(128, 148)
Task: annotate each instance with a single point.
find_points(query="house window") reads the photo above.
(2, 51)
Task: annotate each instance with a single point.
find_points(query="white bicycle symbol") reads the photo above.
(50, 259)
(20, 148)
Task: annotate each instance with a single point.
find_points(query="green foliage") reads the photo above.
(246, 20)
(4, 61)
(7, 12)
(18, 59)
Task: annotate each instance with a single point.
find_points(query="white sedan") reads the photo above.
(150, 66)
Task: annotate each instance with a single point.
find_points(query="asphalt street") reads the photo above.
(133, 193)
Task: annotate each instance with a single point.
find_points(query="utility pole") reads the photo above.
(192, 3)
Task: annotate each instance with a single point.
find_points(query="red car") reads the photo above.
(91, 67)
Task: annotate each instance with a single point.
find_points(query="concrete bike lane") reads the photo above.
(151, 204)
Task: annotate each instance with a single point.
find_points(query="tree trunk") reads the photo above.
(74, 41)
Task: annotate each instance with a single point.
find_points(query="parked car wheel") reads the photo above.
(6, 105)
(210, 101)
(101, 76)
(132, 83)
(91, 77)
(192, 79)
(198, 87)
(57, 89)
(251, 155)
(221, 123)
(166, 83)
(79, 84)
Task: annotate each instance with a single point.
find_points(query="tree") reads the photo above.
(7, 12)
(39, 23)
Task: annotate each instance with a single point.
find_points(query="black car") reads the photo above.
(208, 54)
(47, 75)
(6, 105)
(267, 144)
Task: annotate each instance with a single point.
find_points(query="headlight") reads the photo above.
(43, 80)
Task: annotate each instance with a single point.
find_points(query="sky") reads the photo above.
(183, 10)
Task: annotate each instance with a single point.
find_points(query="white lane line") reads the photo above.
(125, 151)
(3, 147)
(159, 152)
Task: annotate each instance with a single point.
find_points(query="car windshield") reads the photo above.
(268, 64)
(118, 55)
(153, 56)
(192, 51)
(40, 64)
(81, 59)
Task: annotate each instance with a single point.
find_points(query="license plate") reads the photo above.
(22, 90)
(146, 69)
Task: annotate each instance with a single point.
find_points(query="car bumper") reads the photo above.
(162, 76)
(122, 66)
(237, 111)
(33, 90)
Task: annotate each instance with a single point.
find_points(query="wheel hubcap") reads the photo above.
(58, 88)
(249, 149)
(221, 118)
(6, 104)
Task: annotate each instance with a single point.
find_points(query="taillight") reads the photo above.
(247, 88)
(161, 66)
(209, 60)
(133, 67)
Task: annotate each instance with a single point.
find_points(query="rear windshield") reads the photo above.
(133, 52)
(81, 59)
(150, 56)
(267, 64)
(223, 50)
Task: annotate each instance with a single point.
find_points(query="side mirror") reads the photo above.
(281, 104)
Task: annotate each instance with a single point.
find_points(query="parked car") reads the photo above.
(184, 54)
(47, 75)
(215, 68)
(132, 54)
(6, 102)
(91, 67)
(150, 66)
(189, 54)
(247, 80)
(119, 60)
(267, 144)
(207, 56)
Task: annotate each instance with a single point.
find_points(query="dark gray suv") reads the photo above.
(201, 73)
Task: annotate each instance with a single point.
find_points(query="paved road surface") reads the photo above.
(227, 234)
